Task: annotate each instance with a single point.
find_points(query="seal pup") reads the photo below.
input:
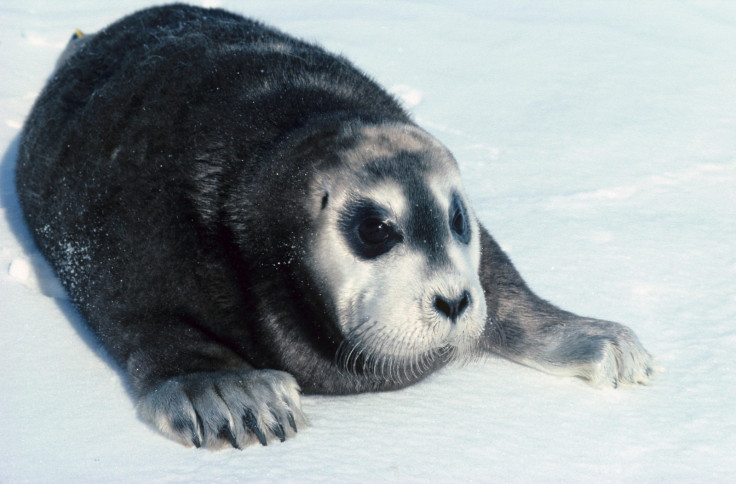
(241, 216)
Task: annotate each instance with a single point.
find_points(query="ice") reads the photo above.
(410, 96)
(20, 270)
(36, 274)
(598, 143)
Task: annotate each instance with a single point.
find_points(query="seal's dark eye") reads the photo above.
(368, 229)
(459, 221)
(374, 231)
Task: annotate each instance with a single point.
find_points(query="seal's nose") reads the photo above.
(452, 308)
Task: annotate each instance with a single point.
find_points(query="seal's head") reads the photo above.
(397, 252)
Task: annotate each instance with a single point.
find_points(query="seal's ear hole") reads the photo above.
(325, 199)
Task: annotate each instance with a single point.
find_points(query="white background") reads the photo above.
(598, 144)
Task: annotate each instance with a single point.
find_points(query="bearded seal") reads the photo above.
(241, 216)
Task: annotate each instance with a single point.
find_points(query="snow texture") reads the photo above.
(598, 143)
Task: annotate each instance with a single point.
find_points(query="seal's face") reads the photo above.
(397, 251)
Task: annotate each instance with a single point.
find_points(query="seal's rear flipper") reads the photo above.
(76, 42)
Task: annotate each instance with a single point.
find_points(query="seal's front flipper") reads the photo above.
(603, 353)
(526, 329)
(225, 408)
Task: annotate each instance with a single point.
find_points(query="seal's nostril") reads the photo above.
(443, 306)
(452, 309)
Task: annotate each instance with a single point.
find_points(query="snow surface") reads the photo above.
(598, 142)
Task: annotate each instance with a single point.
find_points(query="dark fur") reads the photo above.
(162, 172)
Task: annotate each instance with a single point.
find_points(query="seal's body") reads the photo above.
(238, 214)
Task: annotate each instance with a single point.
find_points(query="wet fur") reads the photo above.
(163, 172)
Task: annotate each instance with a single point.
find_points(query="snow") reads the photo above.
(598, 142)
